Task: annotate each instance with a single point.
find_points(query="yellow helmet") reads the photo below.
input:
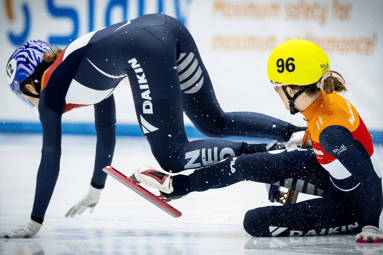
(297, 62)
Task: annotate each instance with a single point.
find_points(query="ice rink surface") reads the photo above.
(125, 223)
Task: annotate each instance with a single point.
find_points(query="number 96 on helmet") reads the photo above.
(297, 62)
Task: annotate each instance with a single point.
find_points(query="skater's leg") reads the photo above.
(202, 107)
(260, 167)
(157, 97)
(338, 213)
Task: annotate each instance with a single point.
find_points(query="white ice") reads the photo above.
(125, 223)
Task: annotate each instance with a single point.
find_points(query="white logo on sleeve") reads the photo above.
(339, 150)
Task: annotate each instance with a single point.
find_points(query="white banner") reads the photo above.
(235, 39)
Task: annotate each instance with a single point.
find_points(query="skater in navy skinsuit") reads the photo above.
(167, 78)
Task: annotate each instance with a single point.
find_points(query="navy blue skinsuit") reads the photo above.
(167, 78)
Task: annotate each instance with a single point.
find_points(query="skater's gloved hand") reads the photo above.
(369, 234)
(90, 200)
(30, 230)
(297, 138)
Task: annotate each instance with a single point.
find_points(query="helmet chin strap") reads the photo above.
(293, 110)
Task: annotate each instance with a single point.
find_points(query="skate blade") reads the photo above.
(156, 200)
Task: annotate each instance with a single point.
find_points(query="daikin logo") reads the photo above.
(147, 106)
(274, 231)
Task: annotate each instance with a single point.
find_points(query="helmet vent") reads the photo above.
(27, 60)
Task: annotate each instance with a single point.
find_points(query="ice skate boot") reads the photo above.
(150, 177)
(275, 193)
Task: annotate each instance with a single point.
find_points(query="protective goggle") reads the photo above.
(278, 84)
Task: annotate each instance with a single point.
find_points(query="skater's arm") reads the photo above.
(105, 123)
(339, 143)
(364, 184)
(50, 155)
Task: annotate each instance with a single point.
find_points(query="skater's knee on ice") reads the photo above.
(252, 223)
(256, 222)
